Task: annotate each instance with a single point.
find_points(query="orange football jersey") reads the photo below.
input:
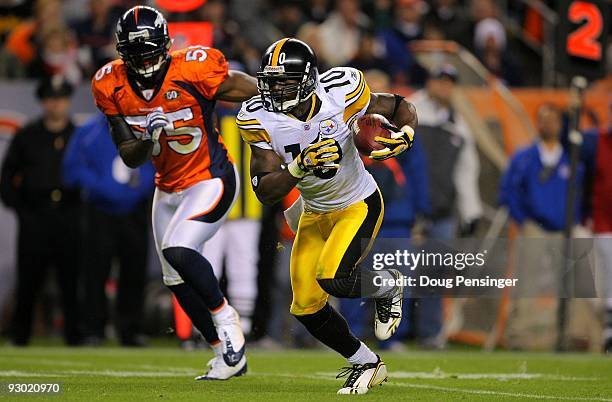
(191, 149)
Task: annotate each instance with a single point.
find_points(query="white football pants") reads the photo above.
(191, 217)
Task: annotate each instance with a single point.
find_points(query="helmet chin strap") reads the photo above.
(293, 103)
(148, 80)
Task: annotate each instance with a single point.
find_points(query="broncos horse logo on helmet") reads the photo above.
(288, 75)
(143, 42)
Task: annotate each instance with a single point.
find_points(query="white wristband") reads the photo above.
(294, 170)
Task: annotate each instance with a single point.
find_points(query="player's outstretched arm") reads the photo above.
(400, 112)
(395, 108)
(270, 179)
(133, 152)
(237, 87)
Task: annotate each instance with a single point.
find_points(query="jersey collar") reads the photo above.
(158, 85)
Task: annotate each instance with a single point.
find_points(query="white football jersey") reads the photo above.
(344, 96)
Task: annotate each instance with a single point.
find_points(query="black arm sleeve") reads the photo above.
(120, 131)
(133, 151)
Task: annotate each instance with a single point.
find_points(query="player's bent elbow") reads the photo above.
(265, 197)
(266, 200)
(130, 161)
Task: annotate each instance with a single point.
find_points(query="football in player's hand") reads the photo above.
(367, 128)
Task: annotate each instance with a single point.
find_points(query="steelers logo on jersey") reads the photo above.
(328, 127)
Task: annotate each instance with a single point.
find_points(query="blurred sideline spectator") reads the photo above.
(479, 10)
(453, 171)
(596, 153)
(116, 207)
(451, 154)
(24, 39)
(340, 31)
(406, 27)
(491, 48)
(318, 10)
(229, 36)
(534, 186)
(534, 189)
(448, 17)
(57, 55)
(370, 56)
(289, 18)
(47, 211)
(339, 35)
(259, 34)
(95, 34)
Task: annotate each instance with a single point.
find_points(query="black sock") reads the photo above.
(197, 272)
(331, 329)
(196, 310)
(608, 318)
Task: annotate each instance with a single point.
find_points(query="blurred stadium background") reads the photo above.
(508, 58)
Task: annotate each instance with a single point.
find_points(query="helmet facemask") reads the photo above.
(144, 58)
(282, 91)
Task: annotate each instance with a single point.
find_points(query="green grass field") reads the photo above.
(165, 373)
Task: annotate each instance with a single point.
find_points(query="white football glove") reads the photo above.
(156, 121)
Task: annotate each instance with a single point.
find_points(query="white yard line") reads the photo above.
(17, 373)
(448, 389)
(498, 393)
(123, 373)
(100, 373)
(182, 372)
(441, 375)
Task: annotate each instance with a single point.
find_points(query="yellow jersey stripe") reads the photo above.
(351, 95)
(358, 105)
(246, 122)
(254, 135)
(277, 50)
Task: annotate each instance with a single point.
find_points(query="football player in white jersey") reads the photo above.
(300, 133)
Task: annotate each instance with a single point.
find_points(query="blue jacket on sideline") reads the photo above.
(92, 163)
(528, 195)
(404, 184)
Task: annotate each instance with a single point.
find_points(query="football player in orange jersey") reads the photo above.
(159, 105)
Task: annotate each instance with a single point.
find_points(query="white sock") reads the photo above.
(222, 312)
(363, 355)
(218, 348)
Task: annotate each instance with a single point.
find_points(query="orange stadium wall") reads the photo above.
(490, 106)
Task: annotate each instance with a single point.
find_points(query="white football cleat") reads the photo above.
(230, 333)
(218, 370)
(388, 311)
(362, 377)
